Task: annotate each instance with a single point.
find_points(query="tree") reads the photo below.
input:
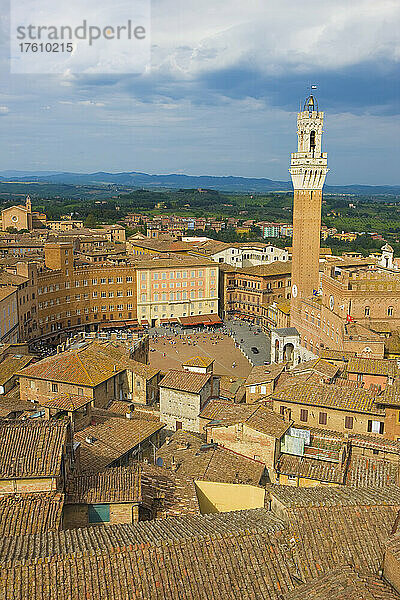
(90, 220)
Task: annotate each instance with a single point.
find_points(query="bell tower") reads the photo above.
(308, 168)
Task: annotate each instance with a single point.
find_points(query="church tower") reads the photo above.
(308, 170)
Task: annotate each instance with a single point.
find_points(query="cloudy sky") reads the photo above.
(221, 94)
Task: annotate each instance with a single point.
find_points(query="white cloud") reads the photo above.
(4, 110)
(272, 36)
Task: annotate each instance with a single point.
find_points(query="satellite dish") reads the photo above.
(159, 462)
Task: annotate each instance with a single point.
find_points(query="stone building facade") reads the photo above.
(64, 295)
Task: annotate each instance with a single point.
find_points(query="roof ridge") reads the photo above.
(83, 366)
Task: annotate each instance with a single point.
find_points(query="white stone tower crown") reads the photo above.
(309, 165)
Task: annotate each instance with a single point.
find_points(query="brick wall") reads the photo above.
(247, 442)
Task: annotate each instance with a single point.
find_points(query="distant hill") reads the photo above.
(173, 181)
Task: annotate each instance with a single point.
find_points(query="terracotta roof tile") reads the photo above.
(331, 396)
(121, 484)
(291, 496)
(31, 448)
(373, 366)
(310, 468)
(366, 471)
(264, 374)
(186, 454)
(198, 361)
(11, 364)
(30, 513)
(344, 584)
(185, 381)
(106, 537)
(244, 565)
(68, 402)
(87, 366)
(112, 438)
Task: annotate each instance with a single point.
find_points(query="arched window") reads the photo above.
(390, 311)
(366, 311)
(312, 141)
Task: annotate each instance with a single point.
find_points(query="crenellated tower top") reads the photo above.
(309, 165)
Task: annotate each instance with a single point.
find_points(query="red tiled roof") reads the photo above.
(185, 381)
(30, 513)
(31, 448)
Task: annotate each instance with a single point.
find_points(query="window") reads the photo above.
(390, 311)
(304, 415)
(348, 422)
(375, 426)
(54, 387)
(366, 311)
(252, 389)
(99, 513)
(323, 417)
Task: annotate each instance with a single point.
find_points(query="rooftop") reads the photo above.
(185, 381)
(256, 416)
(30, 513)
(330, 396)
(88, 366)
(68, 402)
(373, 366)
(291, 496)
(102, 444)
(186, 454)
(318, 365)
(31, 448)
(310, 468)
(11, 364)
(198, 361)
(344, 583)
(264, 374)
(121, 484)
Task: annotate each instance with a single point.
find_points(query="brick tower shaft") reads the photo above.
(308, 170)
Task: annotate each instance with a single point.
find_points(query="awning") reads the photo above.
(215, 320)
(173, 320)
(164, 321)
(145, 322)
(112, 324)
(195, 320)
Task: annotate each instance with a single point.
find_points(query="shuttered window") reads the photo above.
(303, 415)
(348, 422)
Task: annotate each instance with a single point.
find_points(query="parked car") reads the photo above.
(254, 350)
